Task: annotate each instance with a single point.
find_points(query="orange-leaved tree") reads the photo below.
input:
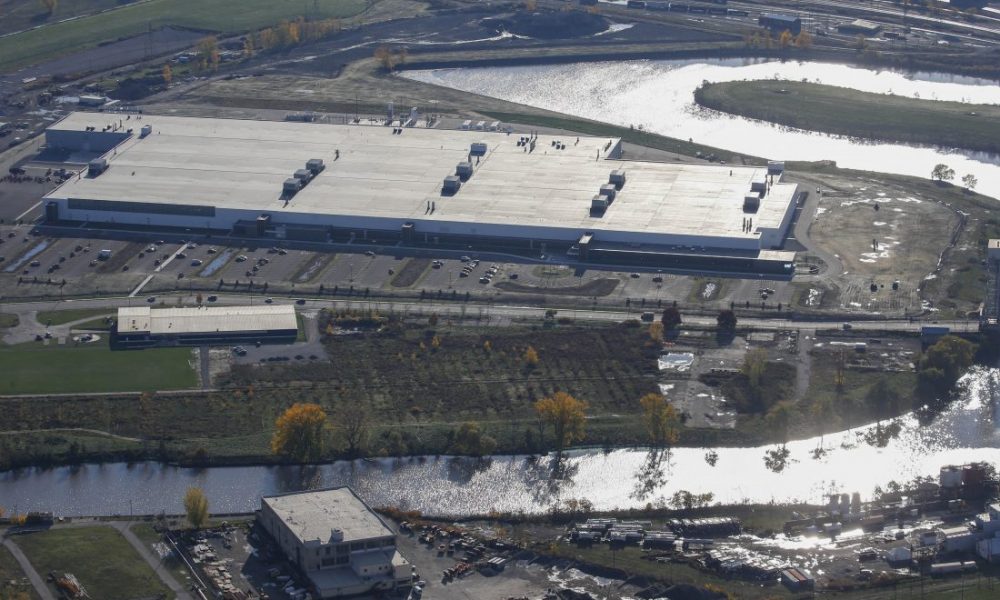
(299, 432)
(565, 414)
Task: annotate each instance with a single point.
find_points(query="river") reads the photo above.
(658, 95)
(966, 431)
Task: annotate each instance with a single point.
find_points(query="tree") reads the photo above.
(969, 181)
(196, 507)
(470, 440)
(565, 414)
(656, 332)
(942, 172)
(671, 318)
(785, 39)
(168, 74)
(531, 5)
(531, 356)
(385, 58)
(803, 40)
(754, 365)
(779, 417)
(50, 6)
(208, 53)
(298, 432)
(661, 419)
(944, 362)
(726, 321)
(354, 421)
(248, 46)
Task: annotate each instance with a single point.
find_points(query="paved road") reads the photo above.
(490, 312)
(29, 570)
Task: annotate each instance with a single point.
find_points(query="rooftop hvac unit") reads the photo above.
(466, 124)
(478, 149)
(617, 178)
(599, 204)
(146, 130)
(451, 184)
(97, 166)
(775, 167)
(495, 126)
(608, 191)
(464, 170)
(303, 175)
(480, 125)
(759, 182)
(315, 165)
(751, 203)
(292, 185)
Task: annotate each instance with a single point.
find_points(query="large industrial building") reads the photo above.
(143, 326)
(336, 540)
(422, 186)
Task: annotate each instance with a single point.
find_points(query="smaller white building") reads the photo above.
(958, 539)
(336, 540)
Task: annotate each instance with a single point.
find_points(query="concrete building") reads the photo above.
(336, 540)
(423, 187)
(143, 326)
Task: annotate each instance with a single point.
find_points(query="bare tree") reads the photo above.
(354, 422)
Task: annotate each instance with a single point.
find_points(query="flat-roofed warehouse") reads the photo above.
(143, 326)
(336, 540)
(321, 182)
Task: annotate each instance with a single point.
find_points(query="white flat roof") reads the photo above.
(314, 515)
(206, 319)
(241, 164)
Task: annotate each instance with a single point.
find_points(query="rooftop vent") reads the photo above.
(478, 149)
(599, 204)
(464, 170)
(617, 178)
(609, 191)
(97, 166)
(315, 165)
(451, 185)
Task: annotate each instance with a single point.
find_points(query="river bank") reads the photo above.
(867, 116)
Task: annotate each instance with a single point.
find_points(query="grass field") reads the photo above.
(8, 320)
(849, 112)
(12, 579)
(36, 369)
(224, 16)
(107, 566)
(61, 317)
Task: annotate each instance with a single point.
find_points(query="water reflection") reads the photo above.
(964, 431)
(658, 96)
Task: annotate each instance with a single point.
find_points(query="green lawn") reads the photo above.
(8, 320)
(36, 369)
(12, 578)
(849, 112)
(104, 563)
(225, 16)
(61, 317)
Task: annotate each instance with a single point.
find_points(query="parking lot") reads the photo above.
(207, 265)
